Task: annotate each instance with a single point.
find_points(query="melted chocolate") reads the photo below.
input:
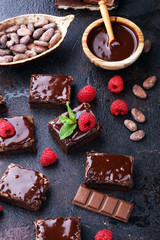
(23, 131)
(125, 45)
(59, 229)
(110, 168)
(50, 87)
(23, 184)
(77, 134)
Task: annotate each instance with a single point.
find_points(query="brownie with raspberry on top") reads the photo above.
(49, 91)
(61, 228)
(17, 135)
(3, 105)
(23, 187)
(86, 128)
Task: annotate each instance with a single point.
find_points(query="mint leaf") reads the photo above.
(66, 130)
(71, 114)
(63, 119)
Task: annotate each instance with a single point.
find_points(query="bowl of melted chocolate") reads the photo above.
(122, 52)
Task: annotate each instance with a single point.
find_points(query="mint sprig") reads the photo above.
(69, 124)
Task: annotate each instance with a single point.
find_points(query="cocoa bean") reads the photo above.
(20, 48)
(24, 32)
(130, 125)
(147, 46)
(15, 37)
(2, 46)
(41, 43)
(30, 26)
(25, 40)
(8, 58)
(37, 33)
(30, 46)
(139, 92)
(39, 49)
(50, 25)
(46, 36)
(137, 136)
(30, 53)
(4, 39)
(12, 29)
(4, 52)
(138, 115)
(149, 82)
(41, 23)
(1, 34)
(54, 40)
(23, 26)
(9, 43)
(19, 57)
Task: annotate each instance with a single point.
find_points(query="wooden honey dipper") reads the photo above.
(107, 22)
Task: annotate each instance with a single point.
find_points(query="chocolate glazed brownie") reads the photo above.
(61, 228)
(3, 105)
(23, 187)
(23, 139)
(78, 138)
(49, 91)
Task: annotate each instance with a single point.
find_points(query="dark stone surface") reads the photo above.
(68, 173)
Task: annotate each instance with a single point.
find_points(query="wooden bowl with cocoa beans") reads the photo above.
(28, 37)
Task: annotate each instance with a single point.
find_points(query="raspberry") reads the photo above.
(86, 121)
(86, 94)
(48, 157)
(104, 235)
(6, 129)
(0, 208)
(119, 107)
(115, 84)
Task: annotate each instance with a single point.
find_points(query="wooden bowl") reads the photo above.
(62, 24)
(113, 65)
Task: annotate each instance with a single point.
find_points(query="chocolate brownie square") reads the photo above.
(23, 139)
(77, 138)
(23, 187)
(49, 91)
(61, 228)
(3, 105)
(109, 171)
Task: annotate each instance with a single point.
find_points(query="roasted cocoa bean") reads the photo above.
(138, 115)
(12, 29)
(41, 23)
(23, 26)
(48, 26)
(30, 26)
(30, 53)
(46, 36)
(137, 136)
(130, 125)
(24, 32)
(20, 48)
(4, 39)
(149, 82)
(139, 92)
(147, 46)
(15, 37)
(4, 52)
(30, 46)
(6, 59)
(41, 43)
(37, 33)
(54, 40)
(39, 49)
(19, 57)
(9, 43)
(25, 40)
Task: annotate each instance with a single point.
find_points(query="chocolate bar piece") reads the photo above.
(49, 91)
(102, 203)
(61, 228)
(79, 4)
(23, 139)
(108, 171)
(23, 187)
(3, 105)
(78, 138)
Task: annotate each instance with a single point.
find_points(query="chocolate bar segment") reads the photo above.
(3, 105)
(78, 137)
(103, 204)
(49, 91)
(23, 187)
(109, 171)
(79, 4)
(23, 139)
(61, 228)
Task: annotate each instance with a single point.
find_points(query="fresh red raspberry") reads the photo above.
(86, 94)
(86, 121)
(115, 84)
(6, 129)
(104, 235)
(119, 107)
(48, 157)
(0, 208)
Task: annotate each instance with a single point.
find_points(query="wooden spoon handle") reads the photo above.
(107, 21)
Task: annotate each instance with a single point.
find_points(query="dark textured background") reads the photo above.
(68, 173)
